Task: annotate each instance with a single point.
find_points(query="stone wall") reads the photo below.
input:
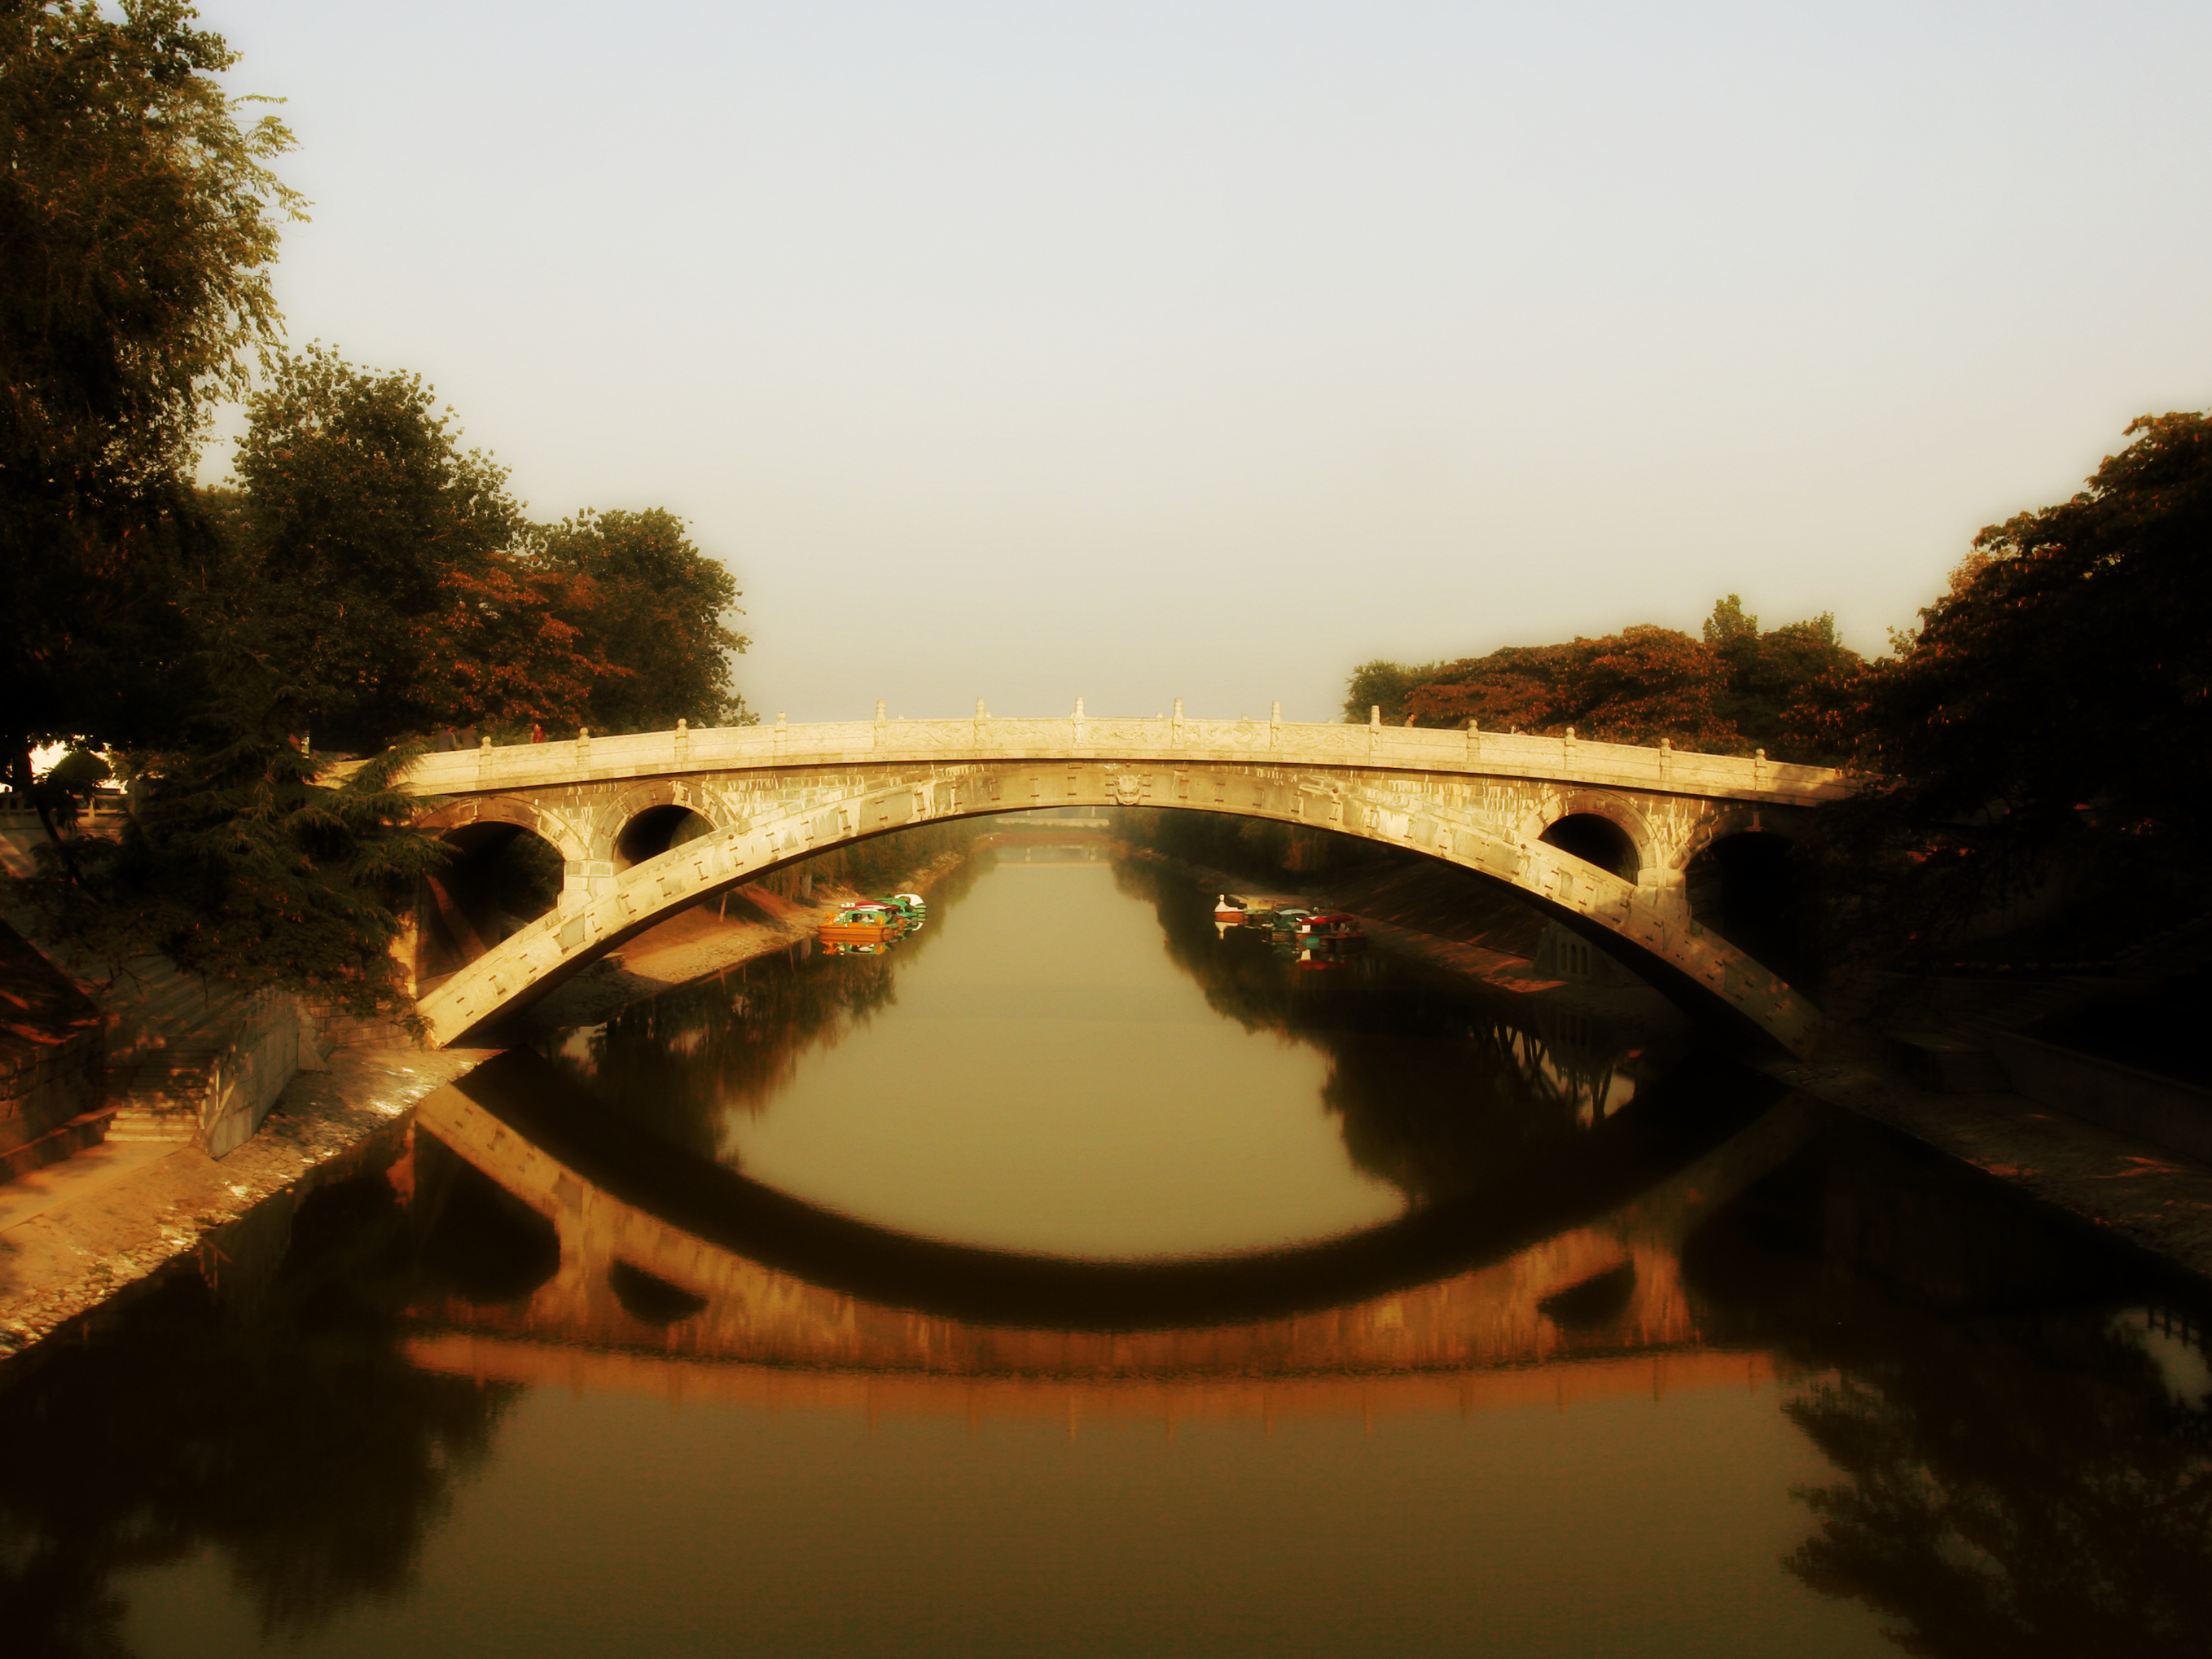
(275, 1041)
(53, 1048)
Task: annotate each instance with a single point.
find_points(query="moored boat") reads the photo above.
(1234, 909)
(1331, 925)
(864, 928)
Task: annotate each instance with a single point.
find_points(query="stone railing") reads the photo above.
(1169, 739)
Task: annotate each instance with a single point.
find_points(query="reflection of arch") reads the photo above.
(521, 1099)
(773, 1278)
(801, 812)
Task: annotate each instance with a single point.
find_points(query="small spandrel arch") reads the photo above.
(655, 830)
(1595, 840)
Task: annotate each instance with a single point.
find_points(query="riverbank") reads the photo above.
(81, 1233)
(2154, 1199)
(748, 922)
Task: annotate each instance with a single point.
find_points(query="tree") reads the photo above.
(1735, 689)
(1382, 684)
(1514, 688)
(138, 219)
(240, 861)
(1639, 685)
(382, 570)
(659, 610)
(2052, 714)
(1775, 681)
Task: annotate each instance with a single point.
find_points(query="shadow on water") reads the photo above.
(261, 1407)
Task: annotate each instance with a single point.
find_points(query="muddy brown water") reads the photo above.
(1075, 1281)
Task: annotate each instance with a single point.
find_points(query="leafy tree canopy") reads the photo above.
(1735, 688)
(1382, 684)
(138, 219)
(2054, 706)
(379, 566)
(1638, 686)
(1773, 681)
(238, 861)
(660, 611)
(369, 580)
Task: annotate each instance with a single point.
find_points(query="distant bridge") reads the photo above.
(1599, 834)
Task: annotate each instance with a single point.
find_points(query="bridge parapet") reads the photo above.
(1077, 737)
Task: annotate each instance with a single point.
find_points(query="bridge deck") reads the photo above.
(1169, 740)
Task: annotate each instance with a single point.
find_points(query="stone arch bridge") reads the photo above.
(1598, 835)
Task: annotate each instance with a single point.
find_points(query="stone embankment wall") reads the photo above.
(2173, 1114)
(276, 1043)
(54, 1047)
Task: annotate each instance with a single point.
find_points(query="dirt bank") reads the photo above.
(79, 1233)
(748, 922)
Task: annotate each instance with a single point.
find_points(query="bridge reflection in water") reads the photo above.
(421, 1410)
(678, 1275)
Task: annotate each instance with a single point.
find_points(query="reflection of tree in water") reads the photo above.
(279, 1424)
(2017, 1477)
(2061, 1507)
(1440, 1094)
(678, 1061)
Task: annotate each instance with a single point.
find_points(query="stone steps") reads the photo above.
(163, 1097)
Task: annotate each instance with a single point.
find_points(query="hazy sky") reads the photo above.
(1140, 350)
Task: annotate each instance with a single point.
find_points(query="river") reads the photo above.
(1073, 1280)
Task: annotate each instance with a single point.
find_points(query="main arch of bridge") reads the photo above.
(775, 794)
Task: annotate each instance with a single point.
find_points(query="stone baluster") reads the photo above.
(1473, 743)
(682, 744)
(782, 735)
(982, 723)
(879, 722)
(1275, 724)
(1175, 735)
(1374, 730)
(583, 746)
(1567, 748)
(1077, 725)
(1759, 769)
(1666, 760)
